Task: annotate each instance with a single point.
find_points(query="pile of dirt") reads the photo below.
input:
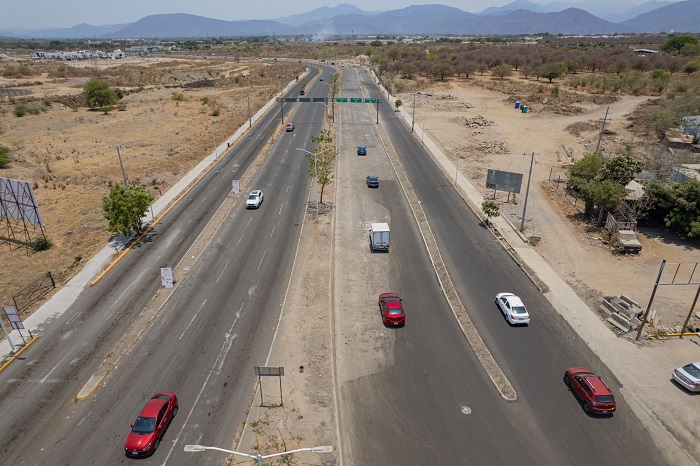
(493, 147)
(477, 121)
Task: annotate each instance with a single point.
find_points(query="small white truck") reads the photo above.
(379, 236)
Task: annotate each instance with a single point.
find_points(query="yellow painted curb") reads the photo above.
(19, 353)
(90, 386)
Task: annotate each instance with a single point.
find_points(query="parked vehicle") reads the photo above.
(391, 309)
(627, 241)
(379, 236)
(688, 376)
(372, 181)
(590, 389)
(149, 428)
(361, 150)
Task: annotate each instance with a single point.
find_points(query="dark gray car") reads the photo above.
(372, 181)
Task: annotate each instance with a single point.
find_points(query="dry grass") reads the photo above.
(65, 151)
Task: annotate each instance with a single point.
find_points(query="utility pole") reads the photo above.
(527, 192)
(413, 119)
(213, 135)
(250, 120)
(126, 184)
(600, 136)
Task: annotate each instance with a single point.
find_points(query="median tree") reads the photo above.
(322, 160)
(123, 208)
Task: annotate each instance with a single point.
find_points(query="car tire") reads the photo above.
(156, 444)
(586, 407)
(175, 410)
(567, 380)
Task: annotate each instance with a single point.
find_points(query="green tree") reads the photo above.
(99, 94)
(443, 71)
(322, 161)
(5, 159)
(124, 208)
(398, 103)
(621, 169)
(691, 67)
(677, 43)
(491, 209)
(552, 71)
(679, 205)
(501, 71)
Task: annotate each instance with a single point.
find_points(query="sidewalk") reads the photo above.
(667, 411)
(69, 292)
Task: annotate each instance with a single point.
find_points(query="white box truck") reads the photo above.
(379, 236)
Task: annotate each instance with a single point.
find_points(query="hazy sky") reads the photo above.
(66, 13)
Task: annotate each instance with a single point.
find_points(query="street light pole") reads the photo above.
(259, 458)
(250, 119)
(126, 184)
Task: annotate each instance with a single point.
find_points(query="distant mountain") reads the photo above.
(323, 13)
(606, 9)
(181, 25)
(80, 31)
(514, 6)
(677, 17)
(514, 18)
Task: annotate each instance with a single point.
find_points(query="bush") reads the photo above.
(178, 96)
(20, 111)
(5, 159)
(41, 244)
(216, 112)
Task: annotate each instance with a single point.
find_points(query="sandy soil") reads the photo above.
(65, 151)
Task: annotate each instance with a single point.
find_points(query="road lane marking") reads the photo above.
(193, 317)
(218, 363)
(225, 267)
(280, 212)
(54, 368)
(273, 230)
(262, 259)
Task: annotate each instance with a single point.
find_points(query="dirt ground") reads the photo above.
(167, 125)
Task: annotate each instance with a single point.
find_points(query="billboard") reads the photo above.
(504, 181)
(18, 202)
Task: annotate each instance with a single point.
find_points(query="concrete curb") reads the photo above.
(18, 353)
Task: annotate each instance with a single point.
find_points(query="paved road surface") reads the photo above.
(406, 407)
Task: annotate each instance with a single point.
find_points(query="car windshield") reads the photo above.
(628, 236)
(604, 398)
(394, 310)
(144, 425)
(253, 196)
(693, 370)
(519, 310)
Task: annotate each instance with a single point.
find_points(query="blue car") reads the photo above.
(361, 150)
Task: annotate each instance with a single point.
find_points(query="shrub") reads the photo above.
(41, 244)
(5, 159)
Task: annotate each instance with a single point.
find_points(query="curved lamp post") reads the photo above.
(258, 458)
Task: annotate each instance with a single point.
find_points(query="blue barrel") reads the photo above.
(523, 108)
(517, 104)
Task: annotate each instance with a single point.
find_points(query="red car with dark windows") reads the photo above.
(149, 428)
(392, 309)
(590, 389)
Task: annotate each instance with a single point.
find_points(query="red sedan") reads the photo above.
(392, 310)
(151, 425)
(591, 390)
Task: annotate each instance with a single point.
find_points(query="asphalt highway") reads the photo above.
(431, 402)
(217, 324)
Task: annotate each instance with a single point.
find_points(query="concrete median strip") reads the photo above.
(485, 357)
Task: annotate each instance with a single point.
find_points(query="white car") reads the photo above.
(688, 376)
(513, 308)
(255, 198)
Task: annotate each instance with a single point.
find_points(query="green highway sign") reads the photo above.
(341, 99)
(371, 101)
(356, 99)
